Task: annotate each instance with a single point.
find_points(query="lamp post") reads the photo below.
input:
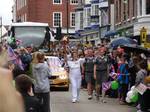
(1, 27)
(67, 11)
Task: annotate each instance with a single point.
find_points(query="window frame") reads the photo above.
(60, 19)
(57, 3)
(81, 20)
(72, 3)
(71, 19)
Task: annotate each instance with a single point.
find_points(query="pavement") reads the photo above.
(61, 102)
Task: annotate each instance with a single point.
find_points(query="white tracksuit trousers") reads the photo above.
(76, 85)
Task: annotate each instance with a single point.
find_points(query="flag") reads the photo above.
(18, 42)
(13, 57)
(11, 54)
(106, 86)
(113, 75)
(19, 63)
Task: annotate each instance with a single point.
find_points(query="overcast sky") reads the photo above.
(5, 11)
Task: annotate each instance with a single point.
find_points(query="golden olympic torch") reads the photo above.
(65, 41)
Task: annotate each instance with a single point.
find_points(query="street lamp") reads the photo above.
(67, 11)
(1, 24)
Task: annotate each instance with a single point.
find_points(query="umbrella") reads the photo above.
(110, 33)
(136, 49)
(122, 41)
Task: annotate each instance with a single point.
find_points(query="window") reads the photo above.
(133, 8)
(81, 20)
(95, 10)
(117, 12)
(57, 1)
(22, 18)
(72, 19)
(88, 17)
(128, 10)
(120, 11)
(25, 2)
(18, 4)
(124, 11)
(74, 1)
(148, 7)
(104, 17)
(21, 4)
(57, 19)
(140, 7)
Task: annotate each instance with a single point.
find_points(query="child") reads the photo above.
(123, 79)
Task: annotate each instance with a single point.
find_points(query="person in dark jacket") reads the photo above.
(17, 71)
(26, 58)
(24, 86)
(101, 73)
(133, 69)
(88, 71)
(140, 79)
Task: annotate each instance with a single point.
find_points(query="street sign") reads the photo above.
(143, 34)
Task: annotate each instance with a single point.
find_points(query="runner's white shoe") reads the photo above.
(74, 100)
(90, 97)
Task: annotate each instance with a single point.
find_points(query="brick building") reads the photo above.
(54, 12)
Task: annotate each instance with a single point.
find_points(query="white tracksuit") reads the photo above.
(75, 78)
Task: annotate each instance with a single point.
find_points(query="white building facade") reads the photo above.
(14, 12)
(143, 17)
(91, 20)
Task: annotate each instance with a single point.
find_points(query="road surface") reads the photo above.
(61, 102)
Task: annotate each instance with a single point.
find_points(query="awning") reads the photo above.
(110, 33)
(95, 26)
(78, 33)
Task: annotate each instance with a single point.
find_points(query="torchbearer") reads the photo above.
(74, 69)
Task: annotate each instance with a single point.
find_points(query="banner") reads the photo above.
(141, 88)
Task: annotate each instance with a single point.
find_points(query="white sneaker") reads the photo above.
(90, 97)
(74, 100)
(103, 101)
